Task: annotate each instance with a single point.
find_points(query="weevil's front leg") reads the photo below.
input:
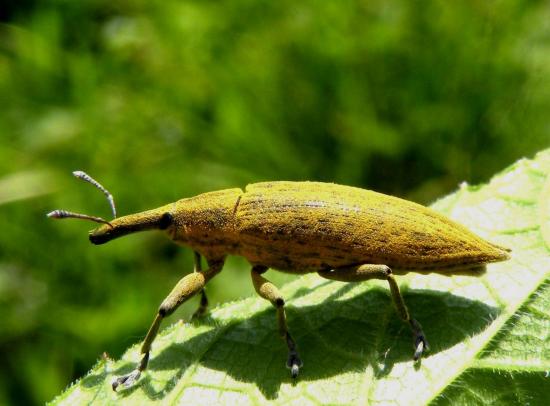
(203, 304)
(268, 291)
(383, 272)
(186, 288)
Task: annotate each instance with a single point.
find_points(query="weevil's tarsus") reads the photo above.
(420, 343)
(268, 291)
(185, 289)
(126, 381)
(419, 349)
(295, 368)
(294, 362)
(64, 214)
(84, 176)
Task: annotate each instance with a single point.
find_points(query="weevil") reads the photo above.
(340, 232)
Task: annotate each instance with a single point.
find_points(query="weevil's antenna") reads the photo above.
(64, 214)
(84, 176)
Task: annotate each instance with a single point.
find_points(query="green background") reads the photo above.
(161, 100)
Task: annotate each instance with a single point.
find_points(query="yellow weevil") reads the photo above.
(342, 233)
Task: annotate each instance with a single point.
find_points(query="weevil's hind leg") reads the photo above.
(268, 291)
(186, 288)
(383, 272)
(203, 304)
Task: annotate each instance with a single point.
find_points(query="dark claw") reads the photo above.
(294, 371)
(294, 363)
(420, 346)
(126, 380)
(420, 343)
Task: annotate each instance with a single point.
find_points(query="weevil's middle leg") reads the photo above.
(383, 272)
(203, 304)
(268, 291)
(186, 288)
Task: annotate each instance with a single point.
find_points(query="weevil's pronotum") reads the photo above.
(343, 233)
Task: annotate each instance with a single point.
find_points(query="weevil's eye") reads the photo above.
(166, 221)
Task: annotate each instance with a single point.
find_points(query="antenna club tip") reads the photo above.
(78, 174)
(53, 214)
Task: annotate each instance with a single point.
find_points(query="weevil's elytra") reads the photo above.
(342, 233)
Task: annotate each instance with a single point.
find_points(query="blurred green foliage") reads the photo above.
(165, 99)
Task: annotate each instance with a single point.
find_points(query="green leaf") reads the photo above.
(24, 185)
(489, 336)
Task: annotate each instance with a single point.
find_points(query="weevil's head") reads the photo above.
(155, 219)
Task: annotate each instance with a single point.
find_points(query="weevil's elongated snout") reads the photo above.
(156, 219)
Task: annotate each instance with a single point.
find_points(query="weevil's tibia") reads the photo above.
(186, 288)
(85, 177)
(203, 307)
(268, 291)
(383, 272)
(203, 304)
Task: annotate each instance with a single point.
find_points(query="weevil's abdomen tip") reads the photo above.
(505, 253)
(497, 253)
(501, 247)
